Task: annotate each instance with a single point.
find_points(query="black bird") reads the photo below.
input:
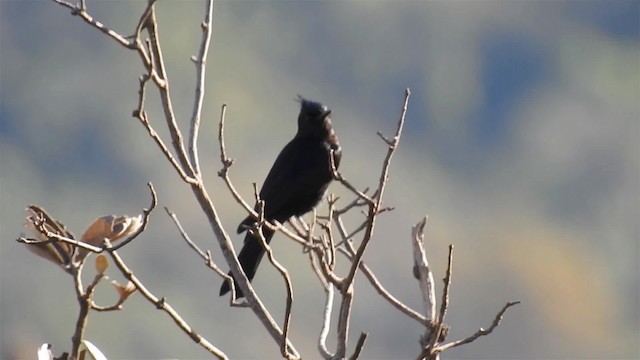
(296, 183)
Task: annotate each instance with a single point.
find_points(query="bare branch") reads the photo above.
(480, 332)
(314, 259)
(162, 304)
(444, 305)
(206, 256)
(326, 323)
(226, 162)
(281, 269)
(84, 299)
(384, 138)
(114, 307)
(344, 319)
(201, 63)
(141, 114)
(423, 273)
(374, 207)
(299, 227)
(348, 251)
(284, 349)
(184, 234)
(331, 247)
(142, 22)
(338, 177)
(359, 345)
(165, 96)
(82, 13)
(380, 289)
(55, 237)
(145, 218)
(356, 231)
(357, 202)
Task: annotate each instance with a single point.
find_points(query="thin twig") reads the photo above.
(355, 203)
(114, 307)
(206, 256)
(299, 227)
(165, 96)
(284, 349)
(374, 207)
(359, 346)
(331, 243)
(423, 273)
(348, 251)
(79, 11)
(339, 178)
(344, 318)
(184, 234)
(201, 63)
(163, 305)
(326, 324)
(480, 332)
(52, 238)
(257, 230)
(356, 231)
(226, 162)
(380, 289)
(384, 138)
(141, 115)
(141, 24)
(83, 315)
(145, 218)
(444, 305)
(314, 260)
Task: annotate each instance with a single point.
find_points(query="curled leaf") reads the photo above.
(110, 227)
(101, 263)
(124, 290)
(39, 223)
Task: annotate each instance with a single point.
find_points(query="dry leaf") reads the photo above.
(101, 263)
(124, 291)
(39, 222)
(111, 227)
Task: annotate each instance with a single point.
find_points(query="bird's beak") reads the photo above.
(326, 113)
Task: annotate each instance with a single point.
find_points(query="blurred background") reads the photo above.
(521, 144)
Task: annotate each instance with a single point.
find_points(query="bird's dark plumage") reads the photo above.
(296, 183)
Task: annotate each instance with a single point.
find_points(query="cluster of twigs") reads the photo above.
(321, 246)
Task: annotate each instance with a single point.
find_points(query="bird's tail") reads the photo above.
(249, 258)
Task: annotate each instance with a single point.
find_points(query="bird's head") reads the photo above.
(313, 116)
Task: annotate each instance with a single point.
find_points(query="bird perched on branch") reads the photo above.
(296, 183)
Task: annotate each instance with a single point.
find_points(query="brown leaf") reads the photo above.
(101, 263)
(39, 222)
(111, 227)
(124, 291)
